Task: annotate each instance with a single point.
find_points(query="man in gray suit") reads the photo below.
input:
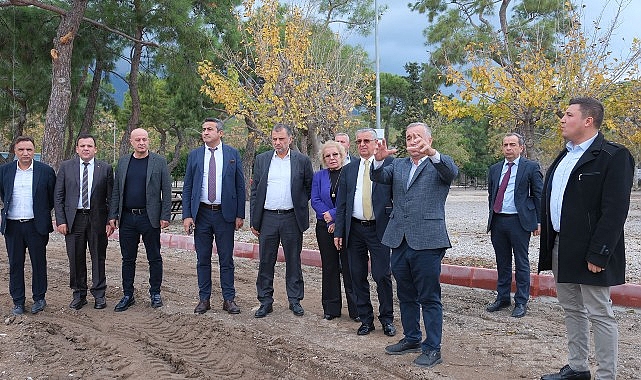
(279, 207)
(141, 201)
(82, 197)
(417, 235)
(514, 195)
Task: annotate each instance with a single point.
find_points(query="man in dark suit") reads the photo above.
(141, 202)
(214, 206)
(82, 198)
(418, 237)
(279, 208)
(586, 197)
(343, 139)
(514, 195)
(362, 213)
(26, 190)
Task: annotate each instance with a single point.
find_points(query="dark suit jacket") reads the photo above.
(419, 211)
(381, 201)
(527, 192)
(233, 184)
(44, 181)
(158, 189)
(301, 184)
(595, 207)
(67, 192)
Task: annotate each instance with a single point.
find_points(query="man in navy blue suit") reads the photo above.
(26, 190)
(214, 206)
(514, 196)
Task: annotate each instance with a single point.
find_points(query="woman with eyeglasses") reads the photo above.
(324, 191)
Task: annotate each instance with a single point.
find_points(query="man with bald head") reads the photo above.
(141, 205)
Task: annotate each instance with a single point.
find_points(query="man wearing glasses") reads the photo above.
(362, 213)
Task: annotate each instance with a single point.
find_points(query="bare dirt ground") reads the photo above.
(173, 343)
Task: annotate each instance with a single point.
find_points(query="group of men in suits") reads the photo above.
(90, 203)
(383, 204)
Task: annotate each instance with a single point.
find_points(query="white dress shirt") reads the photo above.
(279, 185)
(357, 212)
(90, 168)
(561, 176)
(22, 197)
(204, 189)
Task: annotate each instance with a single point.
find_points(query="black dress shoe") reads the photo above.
(231, 307)
(356, 319)
(329, 317)
(365, 329)
(567, 373)
(125, 303)
(296, 308)
(38, 306)
(497, 305)
(389, 329)
(263, 310)
(428, 359)
(202, 307)
(100, 303)
(156, 300)
(403, 347)
(78, 303)
(519, 310)
(17, 309)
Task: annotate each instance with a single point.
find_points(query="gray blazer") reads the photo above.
(301, 183)
(158, 189)
(67, 192)
(419, 210)
(527, 192)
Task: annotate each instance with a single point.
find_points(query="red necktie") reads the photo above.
(498, 202)
(211, 177)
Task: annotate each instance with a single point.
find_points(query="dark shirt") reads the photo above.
(134, 193)
(334, 176)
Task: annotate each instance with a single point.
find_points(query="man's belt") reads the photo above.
(280, 212)
(213, 207)
(365, 223)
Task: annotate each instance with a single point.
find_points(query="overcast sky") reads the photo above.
(401, 31)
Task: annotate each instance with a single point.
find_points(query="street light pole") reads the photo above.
(113, 125)
(378, 68)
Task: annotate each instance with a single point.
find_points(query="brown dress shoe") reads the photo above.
(202, 307)
(231, 307)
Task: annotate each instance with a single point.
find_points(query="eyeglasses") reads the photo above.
(331, 155)
(365, 141)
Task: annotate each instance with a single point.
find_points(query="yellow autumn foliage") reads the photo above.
(287, 74)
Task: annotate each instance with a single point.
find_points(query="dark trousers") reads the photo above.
(83, 234)
(418, 287)
(361, 240)
(211, 225)
(509, 237)
(18, 237)
(132, 226)
(279, 228)
(334, 263)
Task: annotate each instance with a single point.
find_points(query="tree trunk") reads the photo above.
(92, 97)
(60, 99)
(250, 153)
(17, 123)
(134, 119)
(177, 149)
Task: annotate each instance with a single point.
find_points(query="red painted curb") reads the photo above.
(540, 284)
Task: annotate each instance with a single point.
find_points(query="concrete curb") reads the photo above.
(540, 285)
